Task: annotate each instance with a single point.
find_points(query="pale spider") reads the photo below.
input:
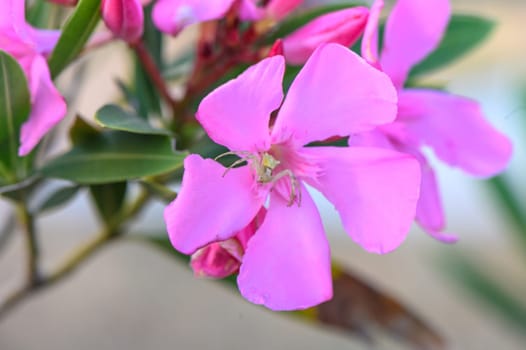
(264, 168)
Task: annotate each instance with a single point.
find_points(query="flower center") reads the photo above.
(266, 170)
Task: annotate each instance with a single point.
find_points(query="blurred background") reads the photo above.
(131, 297)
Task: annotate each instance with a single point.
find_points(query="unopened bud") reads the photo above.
(343, 27)
(278, 9)
(125, 18)
(276, 49)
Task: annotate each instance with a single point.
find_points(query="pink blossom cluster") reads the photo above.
(256, 216)
(378, 185)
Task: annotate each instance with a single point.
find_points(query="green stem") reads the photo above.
(6, 174)
(153, 72)
(77, 258)
(28, 227)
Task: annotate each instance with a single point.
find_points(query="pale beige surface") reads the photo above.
(130, 297)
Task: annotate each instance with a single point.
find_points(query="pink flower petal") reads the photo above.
(442, 236)
(429, 212)
(171, 16)
(45, 40)
(249, 11)
(12, 14)
(375, 191)
(47, 108)
(456, 129)
(287, 263)
(413, 30)
(373, 138)
(211, 206)
(370, 36)
(335, 94)
(279, 9)
(343, 27)
(237, 113)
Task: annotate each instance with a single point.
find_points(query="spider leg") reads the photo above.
(237, 162)
(295, 195)
(232, 153)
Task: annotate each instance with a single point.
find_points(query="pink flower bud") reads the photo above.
(65, 2)
(125, 18)
(223, 258)
(216, 259)
(343, 27)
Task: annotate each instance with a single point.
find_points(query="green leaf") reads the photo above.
(290, 24)
(116, 118)
(22, 190)
(507, 198)
(81, 131)
(115, 156)
(487, 291)
(15, 105)
(463, 34)
(145, 91)
(75, 34)
(159, 190)
(39, 14)
(57, 199)
(108, 199)
(180, 66)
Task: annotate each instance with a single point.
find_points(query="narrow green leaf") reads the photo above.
(115, 156)
(38, 15)
(505, 195)
(81, 130)
(21, 190)
(180, 66)
(57, 199)
(159, 190)
(463, 34)
(487, 291)
(15, 105)
(108, 199)
(116, 118)
(75, 34)
(130, 98)
(147, 96)
(290, 24)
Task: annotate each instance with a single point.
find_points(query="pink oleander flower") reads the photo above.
(222, 259)
(171, 16)
(454, 127)
(343, 27)
(28, 46)
(286, 264)
(125, 18)
(274, 9)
